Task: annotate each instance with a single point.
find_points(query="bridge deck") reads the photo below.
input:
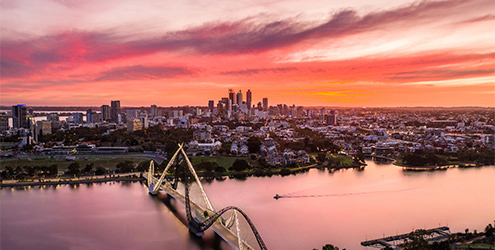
(220, 229)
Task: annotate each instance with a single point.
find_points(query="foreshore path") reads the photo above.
(77, 180)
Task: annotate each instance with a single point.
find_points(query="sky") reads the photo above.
(380, 53)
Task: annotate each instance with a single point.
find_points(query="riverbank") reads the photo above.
(61, 181)
(258, 172)
(435, 167)
(138, 177)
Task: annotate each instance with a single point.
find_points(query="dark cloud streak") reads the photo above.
(249, 72)
(139, 72)
(439, 74)
(74, 48)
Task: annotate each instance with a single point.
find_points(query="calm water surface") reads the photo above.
(342, 208)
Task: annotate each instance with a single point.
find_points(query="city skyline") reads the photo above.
(349, 54)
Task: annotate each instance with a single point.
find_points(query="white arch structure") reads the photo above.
(214, 215)
(154, 187)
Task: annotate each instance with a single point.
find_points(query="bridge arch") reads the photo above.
(195, 225)
(209, 222)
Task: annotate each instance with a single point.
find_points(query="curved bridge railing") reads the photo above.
(208, 222)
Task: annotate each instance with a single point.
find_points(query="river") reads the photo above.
(342, 208)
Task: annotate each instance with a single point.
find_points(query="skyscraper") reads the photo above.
(331, 119)
(248, 98)
(19, 116)
(154, 111)
(4, 122)
(232, 96)
(77, 117)
(239, 98)
(105, 112)
(211, 105)
(265, 104)
(89, 116)
(114, 111)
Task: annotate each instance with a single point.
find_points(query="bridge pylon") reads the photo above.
(154, 187)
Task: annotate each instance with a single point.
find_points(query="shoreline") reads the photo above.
(71, 181)
(435, 167)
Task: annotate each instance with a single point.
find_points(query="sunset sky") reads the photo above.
(350, 53)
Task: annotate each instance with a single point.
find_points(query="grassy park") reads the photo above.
(222, 161)
(63, 164)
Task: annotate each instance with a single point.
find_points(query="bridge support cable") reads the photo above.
(187, 201)
(162, 177)
(203, 193)
(151, 173)
(239, 239)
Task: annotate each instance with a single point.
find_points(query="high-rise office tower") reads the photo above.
(331, 119)
(239, 98)
(154, 111)
(232, 96)
(248, 98)
(89, 116)
(265, 104)
(286, 110)
(105, 112)
(211, 105)
(114, 111)
(77, 117)
(20, 116)
(4, 122)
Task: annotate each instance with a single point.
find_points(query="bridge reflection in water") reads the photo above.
(183, 184)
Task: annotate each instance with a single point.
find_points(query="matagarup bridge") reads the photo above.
(200, 213)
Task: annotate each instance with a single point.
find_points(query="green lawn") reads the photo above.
(225, 162)
(62, 164)
(346, 161)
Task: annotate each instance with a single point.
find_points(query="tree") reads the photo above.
(74, 168)
(53, 169)
(416, 240)
(321, 156)
(88, 167)
(30, 170)
(10, 170)
(359, 157)
(330, 247)
(144, 166)
(4, 175)
(225, 149)
(489, 231)
(100, 171)
(207, 165)
(253, 144)
(240, 165)
(262, 162)
(125, 167)
(219, 169)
